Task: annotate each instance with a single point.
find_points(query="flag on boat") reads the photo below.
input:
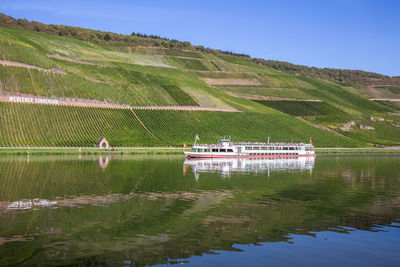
(197, 137)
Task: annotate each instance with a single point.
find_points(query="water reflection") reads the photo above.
(142, 210)
(224, 167)
(103, 161)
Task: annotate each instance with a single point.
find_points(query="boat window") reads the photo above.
(256, 148)
(207, 150)
(249, 148)
(222, 150)
(214, 150)
(291, 148)
(285, 148)
(194, 149)
(230, 150)
(265, 148)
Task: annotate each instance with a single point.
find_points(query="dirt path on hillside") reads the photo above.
(386, 99)
(322, 127)
(186, 108)
(223, 71)
(231, 82)
(27, 66)
(273, 98)
(144, 125)
(80, 103)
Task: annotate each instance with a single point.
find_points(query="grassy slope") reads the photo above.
(146, 76)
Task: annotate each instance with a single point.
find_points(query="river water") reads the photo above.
(151, 210)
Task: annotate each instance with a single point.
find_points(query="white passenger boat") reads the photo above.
(227, 149)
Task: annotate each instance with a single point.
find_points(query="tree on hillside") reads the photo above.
(107, 37)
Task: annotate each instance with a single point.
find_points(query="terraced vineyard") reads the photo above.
(380, 130)
(180, 96)
(45, 125)
(302, 108)
(177, 127)
(394, 105)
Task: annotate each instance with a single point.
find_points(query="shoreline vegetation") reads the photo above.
(174, 150)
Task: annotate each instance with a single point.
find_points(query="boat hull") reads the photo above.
(205, 156)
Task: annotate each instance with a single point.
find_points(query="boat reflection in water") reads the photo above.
(226, 166)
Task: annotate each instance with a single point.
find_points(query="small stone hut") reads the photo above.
(103, 143)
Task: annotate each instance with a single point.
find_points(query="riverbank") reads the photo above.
(174, 150)
(90, 151)
(357, 151)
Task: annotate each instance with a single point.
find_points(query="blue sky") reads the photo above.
(351, 34)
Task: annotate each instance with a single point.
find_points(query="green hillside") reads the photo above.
(63, 63)
(29, 125)
(46, 125)
(176, 127)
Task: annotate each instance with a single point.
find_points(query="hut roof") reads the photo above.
(101, 139)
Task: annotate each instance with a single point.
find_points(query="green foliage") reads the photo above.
(25, 54)
(332, 121)
(177, 127)
(180, 96)
(182, 53)
(391, 104)
(191, 64)
(392, 89)
(46, 125)
(385, 132)
(302, 108)
(340, 98)
(256, 92)
(345, 77)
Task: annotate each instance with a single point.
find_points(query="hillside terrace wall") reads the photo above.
(29, 99)
(57, 102)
